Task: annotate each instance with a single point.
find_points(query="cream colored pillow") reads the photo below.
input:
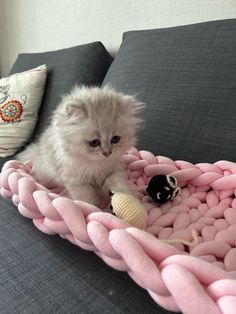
(20, 99)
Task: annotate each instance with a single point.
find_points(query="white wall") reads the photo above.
(35, 26)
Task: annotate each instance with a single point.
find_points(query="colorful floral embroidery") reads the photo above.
(11, 111)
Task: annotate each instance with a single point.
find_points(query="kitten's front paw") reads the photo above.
(91, 200)
(86, 194)
(94, 201)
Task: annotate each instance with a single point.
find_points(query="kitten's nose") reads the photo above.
(107, 153)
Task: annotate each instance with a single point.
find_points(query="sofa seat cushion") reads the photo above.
(46, 274)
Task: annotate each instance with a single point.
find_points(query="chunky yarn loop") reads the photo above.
(186, 257)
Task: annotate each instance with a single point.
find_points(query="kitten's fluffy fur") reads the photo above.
(63, 156)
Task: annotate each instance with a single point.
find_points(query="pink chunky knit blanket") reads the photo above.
(186, 257)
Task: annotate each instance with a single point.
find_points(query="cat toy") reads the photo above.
(162, 188)
(129, 209)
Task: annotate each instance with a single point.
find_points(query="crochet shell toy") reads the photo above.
(129, 209)
(162, 188)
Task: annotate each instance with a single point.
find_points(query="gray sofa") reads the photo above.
(186, 75)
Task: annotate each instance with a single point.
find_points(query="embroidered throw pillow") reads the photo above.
(20, 99)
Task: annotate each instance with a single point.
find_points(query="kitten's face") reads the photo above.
(105, 137)
(97, 123)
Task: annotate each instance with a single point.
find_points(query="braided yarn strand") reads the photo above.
(186, 257)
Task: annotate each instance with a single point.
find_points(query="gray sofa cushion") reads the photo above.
(187, 77)
(85, 64)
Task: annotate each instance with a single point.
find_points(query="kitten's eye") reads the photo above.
(115, 139)
(94, 143)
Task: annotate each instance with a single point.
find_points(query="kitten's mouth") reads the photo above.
(103, 157)
(107, 154)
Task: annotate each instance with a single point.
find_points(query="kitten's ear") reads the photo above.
(69, 109)
(76, 111)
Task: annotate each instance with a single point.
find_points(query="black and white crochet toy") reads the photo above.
(163, 188)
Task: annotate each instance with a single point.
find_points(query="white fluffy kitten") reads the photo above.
(81, 149)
